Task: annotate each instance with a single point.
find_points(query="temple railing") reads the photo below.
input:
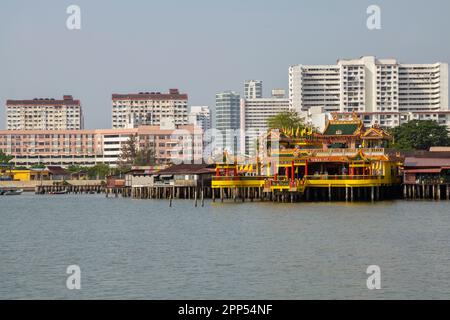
(238, 178)
(343, 177)
(339, 151)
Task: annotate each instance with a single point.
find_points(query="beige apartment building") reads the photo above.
(149, 108)
(91, 147)
(44, 114)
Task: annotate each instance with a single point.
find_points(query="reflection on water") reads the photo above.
(144, 249)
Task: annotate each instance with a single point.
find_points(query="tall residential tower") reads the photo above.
(200, 116)
(253, 89)
(383, 91)
(227, 119)
(369, 85)
(149, 108)
(44, 114)
(254, 116)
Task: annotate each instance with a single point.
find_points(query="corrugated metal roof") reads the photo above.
(427, 162)
(57, 170)
(188, 169)
(429, 170)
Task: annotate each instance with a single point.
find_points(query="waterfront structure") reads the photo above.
(192, 181)
(346, 161)
(24, 174)
(369, 84)
(427, 175)
(44, 114)
(200, 116)
(91, 147)
(149, 108)
(254, 114)
(253, 89)
(227, 120)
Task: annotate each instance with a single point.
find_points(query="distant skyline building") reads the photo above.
(200, 116)
(44, 114)
(369, 84)
(254, 115)
(253, 89)
(149, 108)
(227, 118)
(278, 93)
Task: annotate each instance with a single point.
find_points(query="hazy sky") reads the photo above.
(198, 46)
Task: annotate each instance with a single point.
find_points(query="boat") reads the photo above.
(58, 192)
(12, 192)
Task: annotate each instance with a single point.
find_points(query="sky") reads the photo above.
(199, 46)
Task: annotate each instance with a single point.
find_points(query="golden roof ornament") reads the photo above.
(334, 115)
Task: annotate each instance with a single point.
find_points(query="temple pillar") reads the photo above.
(292, 171)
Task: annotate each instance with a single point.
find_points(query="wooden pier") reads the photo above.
(433, 191)
(243, 194)
(69, 189)
(166, 192)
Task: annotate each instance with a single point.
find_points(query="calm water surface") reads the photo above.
(143, 249)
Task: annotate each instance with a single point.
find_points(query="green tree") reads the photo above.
(99, 171)
(145, 156)
(420, 135)
(134, 155)
(4, 158)
(128, 152)
(286, 119)
(38, 166)
(74, 168)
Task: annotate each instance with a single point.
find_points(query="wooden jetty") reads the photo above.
(69, 188)
(427, 176)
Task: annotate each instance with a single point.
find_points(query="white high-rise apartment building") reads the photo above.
(149, 108)
(200, 116)
(254, 116)
(253, 89)
(314, 86)
(44, 114)
(369, 85)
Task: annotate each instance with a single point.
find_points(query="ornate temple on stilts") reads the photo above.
(346, 162)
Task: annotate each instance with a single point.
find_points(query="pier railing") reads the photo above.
(345, 151)
(432, 180)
